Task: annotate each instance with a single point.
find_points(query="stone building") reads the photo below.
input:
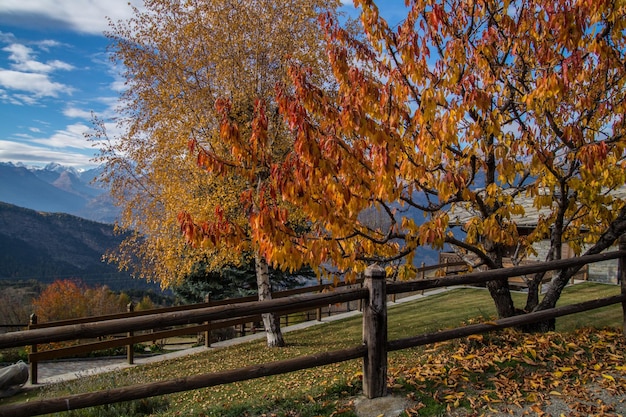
(599, 272)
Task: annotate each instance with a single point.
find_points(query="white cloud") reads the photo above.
(42, 122)
(118, 85)
(46, 44)
(6, 37)
(77, 113)
(114, 69)
(103, 107)
(28, 75)
(17, 99)
(19, 53)
(86, 16)
(38, 84)
(73, 136)
(23, 136)
(37, 155)
(23, 60)
(110, 101)
(40, 67)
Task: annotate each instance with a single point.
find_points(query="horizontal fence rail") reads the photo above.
(481, 277)
(96, 329)
(135, 392)
(213, 303)
(468, 330)
(132, 340)
(373, 352)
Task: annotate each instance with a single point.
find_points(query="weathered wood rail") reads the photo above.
(373, 351)
(451, 264)
(131, 338)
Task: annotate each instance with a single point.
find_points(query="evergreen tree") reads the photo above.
(232, 281)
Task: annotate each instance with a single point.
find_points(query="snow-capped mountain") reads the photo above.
(58, 189)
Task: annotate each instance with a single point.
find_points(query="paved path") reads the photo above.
(66, 370)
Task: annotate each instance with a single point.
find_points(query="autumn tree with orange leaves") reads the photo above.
(70, 299)
(194, 69)
(458, 112)
(441, 124)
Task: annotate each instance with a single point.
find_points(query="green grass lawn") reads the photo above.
(319, 391)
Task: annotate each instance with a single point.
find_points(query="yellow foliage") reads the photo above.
(200, 132)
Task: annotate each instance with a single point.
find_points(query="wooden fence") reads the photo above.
(373, 351)
(131, 338)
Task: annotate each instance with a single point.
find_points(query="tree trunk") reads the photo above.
(501, 295)
(558, 283)
(544, 326)
(532, 301)
(555, 252)
(499, 289)
(534, 287)
(560, 280)
(271, 322)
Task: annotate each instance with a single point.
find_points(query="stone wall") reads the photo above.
(605, 271)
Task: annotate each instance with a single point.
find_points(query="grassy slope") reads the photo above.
(317, 391)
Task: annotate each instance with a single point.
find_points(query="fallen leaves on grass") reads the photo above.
(519, 369)
(481, 375)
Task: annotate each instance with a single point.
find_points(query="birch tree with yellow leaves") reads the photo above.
(190, 66)
(442, 123)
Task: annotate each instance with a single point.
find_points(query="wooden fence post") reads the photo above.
(375, 333)
(361, 300)
(130, 349)
(621, 276)
(207, 333)
(33, 349)
(318, 311)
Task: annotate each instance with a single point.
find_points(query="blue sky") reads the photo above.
(54, 72)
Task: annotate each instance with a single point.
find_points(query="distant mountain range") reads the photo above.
(56, 189)
(42, 238)
(61, 229)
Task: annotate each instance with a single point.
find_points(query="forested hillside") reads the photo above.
(48, 246)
